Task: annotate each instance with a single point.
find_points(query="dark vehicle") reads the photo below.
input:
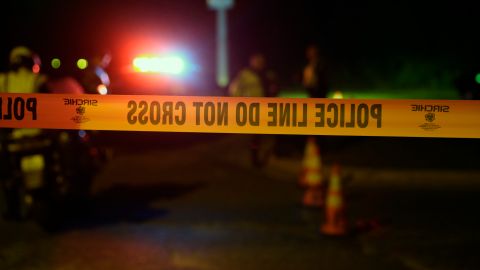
(42, 173)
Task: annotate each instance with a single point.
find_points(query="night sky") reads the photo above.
(357, 37)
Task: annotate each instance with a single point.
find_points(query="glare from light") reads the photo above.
(155, 64)
(477, 78)
(337, 95)
(102, 89)
(103, 75)
(56, 63)
(36, 68)
(82, 63)
(82, 133)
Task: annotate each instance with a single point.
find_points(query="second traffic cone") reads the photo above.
(335, 223)
(313, 197)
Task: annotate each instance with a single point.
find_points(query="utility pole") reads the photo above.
(221, 7)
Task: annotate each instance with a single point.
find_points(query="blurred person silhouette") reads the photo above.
(315, 81)
(315, 78)
(256, 81)
(30, 170)
(23, 77)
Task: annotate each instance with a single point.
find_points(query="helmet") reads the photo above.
(22, 56)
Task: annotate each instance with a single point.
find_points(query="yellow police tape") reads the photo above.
(405, 118)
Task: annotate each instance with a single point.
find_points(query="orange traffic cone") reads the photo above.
(311, 176)
(312, 165)
(335, 223)
(313, 197)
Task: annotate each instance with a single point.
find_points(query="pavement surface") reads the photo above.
(193, 201)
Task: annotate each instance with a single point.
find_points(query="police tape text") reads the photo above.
(155, 113)
(335, 115)
(16, 108)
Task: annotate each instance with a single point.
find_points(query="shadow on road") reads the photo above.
(130, 142)
(121, 203)
(406, 153)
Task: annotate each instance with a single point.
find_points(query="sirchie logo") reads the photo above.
(80, 110)
(80, 118)
(430, 117)
(430, 108)
(431, 111)
(79, 102)
(429, 125)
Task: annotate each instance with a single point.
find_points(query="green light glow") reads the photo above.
(477, 78)
(56, 63)
(82, 63)
(337, 95)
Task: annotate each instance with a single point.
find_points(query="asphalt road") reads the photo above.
(193, 201)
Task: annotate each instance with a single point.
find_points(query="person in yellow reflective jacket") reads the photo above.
(250, 81)
(23, 77)
(254, 81)
(24, 74)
